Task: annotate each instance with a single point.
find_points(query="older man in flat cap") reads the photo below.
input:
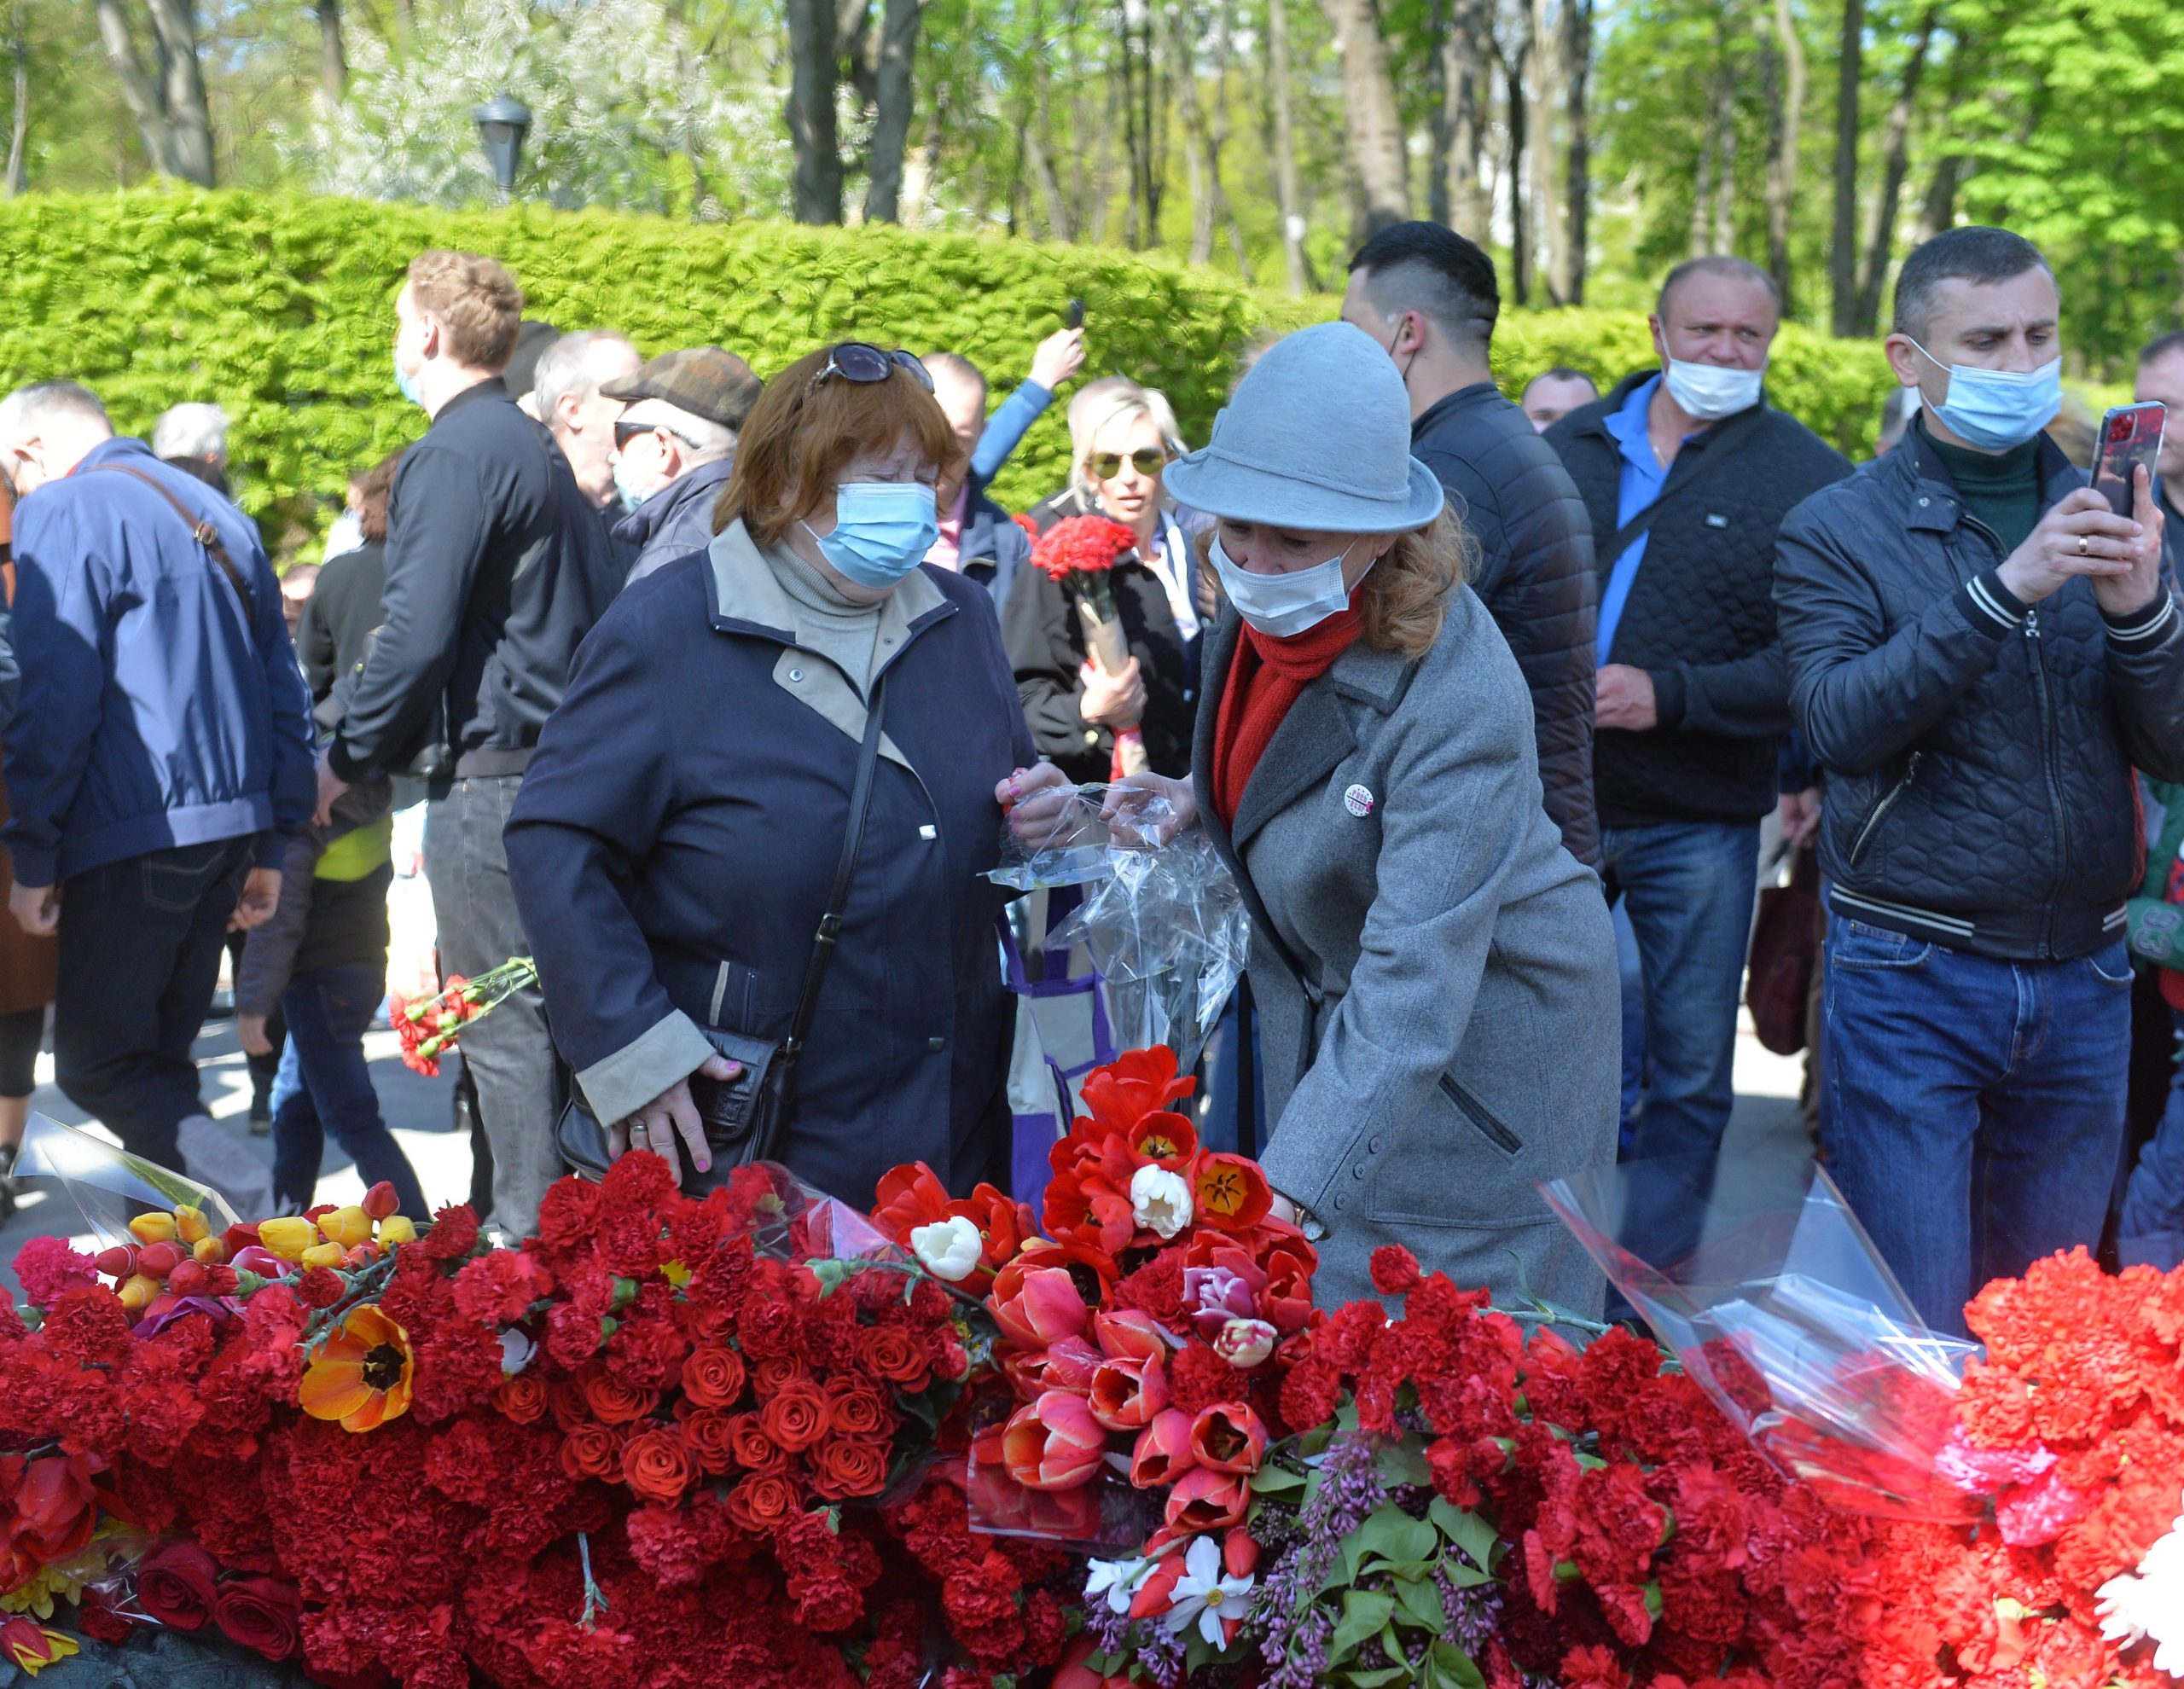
(673, 446)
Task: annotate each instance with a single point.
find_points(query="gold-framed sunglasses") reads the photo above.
(1148, 460)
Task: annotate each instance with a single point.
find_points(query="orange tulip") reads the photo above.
(1204, 1500)
(1228, 1437)
(361, 1375)
(1125, 1393)
(1055, 1443)
(1035, 1305)
(1163, 1452)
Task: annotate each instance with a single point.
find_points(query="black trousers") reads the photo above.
(140, 946)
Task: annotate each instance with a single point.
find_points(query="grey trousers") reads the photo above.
(509, 1051)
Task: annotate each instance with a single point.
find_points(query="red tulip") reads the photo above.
(381, 1203)
(1163, 1453)
(1204, 1500)
(1129, 1333)
(1158, 1592)
(158, 1259)
(1055, 1443)
(188, 1277)
(1035, 1306)
(118, 1263)
(1240, 1552)
(1126, 1393)
(1067, 1364)
(1074, 1672)
(1228, 1437)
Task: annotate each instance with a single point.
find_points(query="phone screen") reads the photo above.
(1076, 316)
(2130, 435)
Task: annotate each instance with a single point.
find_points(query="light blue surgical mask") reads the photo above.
(1996, 410)
(1281, 607)
(407, 383)
(882, 530)
(629, 496)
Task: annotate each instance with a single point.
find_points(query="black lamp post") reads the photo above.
(503, 122)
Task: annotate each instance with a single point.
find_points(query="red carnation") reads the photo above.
(1394, 1270)
(452, 1234)
(1081, 545)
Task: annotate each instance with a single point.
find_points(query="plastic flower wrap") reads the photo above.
(109, 1184)
(1752, 1270)
(1162, 918)
(1076, 553)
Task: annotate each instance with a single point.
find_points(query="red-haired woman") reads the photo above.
(680, 827)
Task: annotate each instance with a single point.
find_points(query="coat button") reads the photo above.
(1923, 503)
(1342, 1201)
(1373, 1144)
(796, 674)
(1358, 1171)
(936, 1045)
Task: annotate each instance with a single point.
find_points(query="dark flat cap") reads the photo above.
(704, 380)
(532, 337)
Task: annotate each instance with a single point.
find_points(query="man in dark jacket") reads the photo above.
(2161, 378)
(1687, 473)
(496, 567)
(674, 446)
(1430, 296)
(161, 746)
(1979, 651)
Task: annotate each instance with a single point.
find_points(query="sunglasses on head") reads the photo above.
(1146, 461)
(866, 364)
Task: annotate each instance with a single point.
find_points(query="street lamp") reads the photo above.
(502, 123)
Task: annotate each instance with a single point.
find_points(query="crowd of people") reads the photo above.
(721, 694)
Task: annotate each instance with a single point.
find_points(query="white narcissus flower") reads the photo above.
(1244, 1343)
(1117, 1580)
(2150, 1604)
(950, 1249)
(1159, 1201)
(1204, 1593)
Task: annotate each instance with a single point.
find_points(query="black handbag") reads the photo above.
(747, 1117)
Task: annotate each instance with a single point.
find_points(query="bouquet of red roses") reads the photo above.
(429, 1026)
(1076, 553)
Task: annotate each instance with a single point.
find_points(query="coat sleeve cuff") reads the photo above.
(2143, 629)
(1670, 698)
(271, 851)
(624, 1083)
(344, 767)
(1990, 606)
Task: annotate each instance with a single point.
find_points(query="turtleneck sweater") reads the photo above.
(847, 635)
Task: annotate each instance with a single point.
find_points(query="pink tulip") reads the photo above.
(1228, 1437)
(1035, 1306)
(1067, 1364)
(1126, 1394)
(1163, 1453)
(1215, 1296)
(1055, 1443)
(1204, 1500)
(1129, 1333)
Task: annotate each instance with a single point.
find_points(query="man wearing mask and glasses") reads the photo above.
(1687, 472)
(1980, 650)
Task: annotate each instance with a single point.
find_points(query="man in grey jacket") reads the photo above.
(674, 445)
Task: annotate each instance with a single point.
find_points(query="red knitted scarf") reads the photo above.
(1265, 677)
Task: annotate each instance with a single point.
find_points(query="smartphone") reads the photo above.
(2130, 435)
(1074, 317)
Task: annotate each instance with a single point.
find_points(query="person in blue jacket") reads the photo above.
(161, 747)
(680, 827)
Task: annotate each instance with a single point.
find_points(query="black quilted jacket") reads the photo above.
(1535, 578)
(1979, 752)
(1700, 617)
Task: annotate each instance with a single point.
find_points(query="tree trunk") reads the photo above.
(1578, 209)
(19, 127)
(1374, 120)
(1702, 177)
(1786, 99)
(1436, 99)
(189, 115)
(145, 98)
(1198, 141)
(1880, 233)
(1224, 42)
(1725, 170)
(1520, 249)
(813, 72)
(1843, 254)
(1938, 211)
(891, 129)
(1287, 192)
(333, 57)
(405, 23)
(1545, 92)
(1466, 58)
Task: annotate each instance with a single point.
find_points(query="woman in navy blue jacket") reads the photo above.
(679, 828)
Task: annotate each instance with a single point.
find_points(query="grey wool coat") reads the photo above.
(1456, 1034)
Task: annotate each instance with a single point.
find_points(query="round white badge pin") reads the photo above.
(1358, 801)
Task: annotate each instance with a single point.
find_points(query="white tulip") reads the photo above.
(1159, 1201)
(950, 1249)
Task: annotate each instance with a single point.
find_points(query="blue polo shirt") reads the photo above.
(1643, 477)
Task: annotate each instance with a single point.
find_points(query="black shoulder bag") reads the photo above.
(747, 1118)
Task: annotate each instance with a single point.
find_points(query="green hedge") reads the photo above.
(280, 308)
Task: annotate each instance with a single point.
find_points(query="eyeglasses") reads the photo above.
(624, 432)
(866, 364)
(1148, 460)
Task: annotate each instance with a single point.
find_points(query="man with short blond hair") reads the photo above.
(497, 568)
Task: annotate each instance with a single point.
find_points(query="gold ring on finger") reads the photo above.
(2081, 545)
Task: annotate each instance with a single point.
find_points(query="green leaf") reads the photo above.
(1468, 1531)
(1390, 1534)
(1277, 1482)
(1452, 1668)
(1403, 1463)
(1421, 1600)
(1380, 1677)
(1363, 1612)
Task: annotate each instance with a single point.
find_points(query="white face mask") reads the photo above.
(1707, 393)
(1281, 607)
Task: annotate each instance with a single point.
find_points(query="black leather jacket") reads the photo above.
(1979, 750)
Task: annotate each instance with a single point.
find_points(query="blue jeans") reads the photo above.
(325, 1085)
(1631, 975)
(1688, 888)
(1975, 1107)
(2150, 1225)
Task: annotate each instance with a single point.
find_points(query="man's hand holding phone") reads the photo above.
(2081, 535)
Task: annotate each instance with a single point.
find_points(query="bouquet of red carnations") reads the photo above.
(1077, 553)
(429, 1026)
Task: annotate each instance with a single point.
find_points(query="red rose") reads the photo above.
(264, 1614)
(713, 1378)
(55, 1510)
(796, 1417)
(776, 1373)
(890, 1353)
(762, 1500)
(522, 1398)
(590, 1450)
(709, 1436)
(754, 1449)
(859, 1410)
(842, 1466)
(657, 1467)
(174, 1586)
(614, 1402)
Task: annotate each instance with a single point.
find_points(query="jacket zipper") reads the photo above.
(1481, 1116)
(1881, 809)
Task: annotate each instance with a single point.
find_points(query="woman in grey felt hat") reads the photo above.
(1435, 974)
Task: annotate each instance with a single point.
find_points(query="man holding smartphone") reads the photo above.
(1980, 652)
(2161, 378)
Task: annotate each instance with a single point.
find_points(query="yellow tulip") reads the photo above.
(209, 1250)
(190, 1225)
(347, 1226)
(137, 1295)
(397, 1228)
(323, 1255)
(288, 1237)
(151, 1229)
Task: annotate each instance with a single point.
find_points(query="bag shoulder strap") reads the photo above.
(202, 532)
(830, 923)
(1604, 557)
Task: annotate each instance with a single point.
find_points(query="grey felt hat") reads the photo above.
(1318, 437)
